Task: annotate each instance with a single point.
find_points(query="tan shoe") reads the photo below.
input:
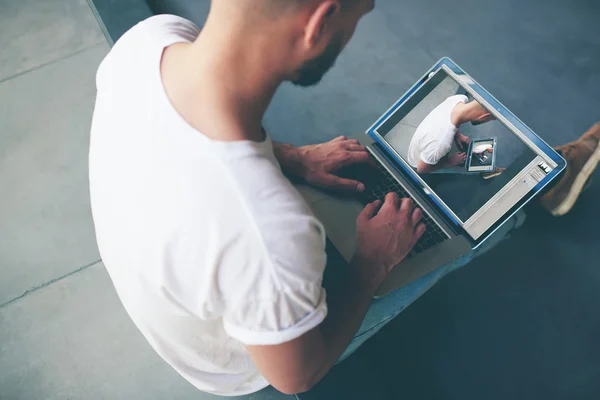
(497, 171)
(582, 158)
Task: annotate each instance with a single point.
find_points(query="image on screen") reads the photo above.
(481, 156)
(433, 131)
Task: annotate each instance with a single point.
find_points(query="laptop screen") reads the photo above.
(464, 155)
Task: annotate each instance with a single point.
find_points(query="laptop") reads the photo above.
(463, 207)
(481, 155)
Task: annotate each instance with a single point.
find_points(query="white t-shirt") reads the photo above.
(434, 137)
(208, 245)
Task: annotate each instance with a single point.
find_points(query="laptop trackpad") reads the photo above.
(339, 219)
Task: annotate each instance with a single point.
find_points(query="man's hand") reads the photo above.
(321, 162)
(462, 141)
(386, 234)
(317, 164)
(457, 159)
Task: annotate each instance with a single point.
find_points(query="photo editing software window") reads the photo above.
(469, 161)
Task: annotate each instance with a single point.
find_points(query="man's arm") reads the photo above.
(296, 366)
(289, 158)
(462, 141)
(453, 160)
(317, 164)
(385, 236)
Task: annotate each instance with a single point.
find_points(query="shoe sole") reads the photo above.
(578, 185)
(492, 175)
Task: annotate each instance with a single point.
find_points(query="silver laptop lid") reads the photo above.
(473, 197)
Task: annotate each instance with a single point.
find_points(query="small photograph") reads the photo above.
(481, 157)
(458, 148)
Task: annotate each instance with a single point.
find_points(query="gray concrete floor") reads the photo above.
(522, 323)
(63, 332)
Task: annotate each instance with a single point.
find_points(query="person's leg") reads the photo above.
(384, 309)
(583, 156)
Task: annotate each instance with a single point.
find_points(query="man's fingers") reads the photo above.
(335, 182)
(392, 200)
(370, 210)
(419, 231)
(407, 205)
(353, 146)
(372, 163)
(339, 139)
(354, 157)
(417, 214)
(459, 144)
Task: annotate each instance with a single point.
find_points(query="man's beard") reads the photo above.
(313, 70)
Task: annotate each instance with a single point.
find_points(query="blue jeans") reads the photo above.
(383, 310)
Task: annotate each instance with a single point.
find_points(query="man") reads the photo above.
(213, 253)
(430, 146)
(482, 152)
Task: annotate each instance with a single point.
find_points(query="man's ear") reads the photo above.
(319, 27)
(486, 117)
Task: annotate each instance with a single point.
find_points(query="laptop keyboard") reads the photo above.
(378, 183)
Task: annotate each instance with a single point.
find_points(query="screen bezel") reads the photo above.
(505, 116)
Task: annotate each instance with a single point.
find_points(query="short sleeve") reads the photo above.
(435, 151)
(168, 29)
(271, 277)
(278, 319)
(277, 294)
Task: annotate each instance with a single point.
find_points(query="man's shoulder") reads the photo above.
(159, 31)
(457, 98)
(169, 27)
(159, 26)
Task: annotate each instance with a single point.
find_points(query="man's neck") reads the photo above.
(463, 113)
(222, 83)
